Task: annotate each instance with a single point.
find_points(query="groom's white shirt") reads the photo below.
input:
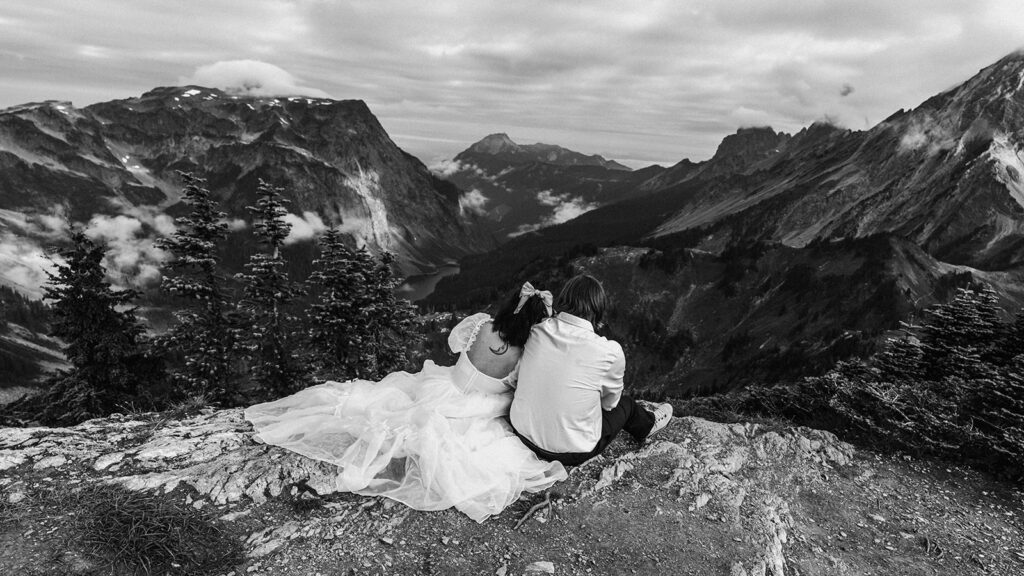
(567, 376)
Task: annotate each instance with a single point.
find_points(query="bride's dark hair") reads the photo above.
(515, 328)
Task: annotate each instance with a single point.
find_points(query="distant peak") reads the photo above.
(495, 144)
(755, 130)
(750, 140)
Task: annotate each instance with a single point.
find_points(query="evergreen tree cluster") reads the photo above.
(951, 386)
(256, 339)
(358, 326)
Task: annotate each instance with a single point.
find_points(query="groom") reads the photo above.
(568, 405)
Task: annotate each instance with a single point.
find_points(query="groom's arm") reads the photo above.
(611, 387)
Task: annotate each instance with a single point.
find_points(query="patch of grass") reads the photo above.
(188, 407)
(191, 406)
(146, 533)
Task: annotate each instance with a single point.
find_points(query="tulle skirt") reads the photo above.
(414, 438)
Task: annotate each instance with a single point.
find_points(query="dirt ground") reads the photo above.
(877, 515)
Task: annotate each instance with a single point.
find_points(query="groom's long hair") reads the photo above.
(584, 297)
(514, 327)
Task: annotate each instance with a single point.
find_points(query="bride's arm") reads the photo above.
(512, 380)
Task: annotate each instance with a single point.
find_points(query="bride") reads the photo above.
(431, 440)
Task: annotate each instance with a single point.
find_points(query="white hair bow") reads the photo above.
(529, 291)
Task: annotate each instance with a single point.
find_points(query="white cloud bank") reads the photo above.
(132, 256)
(305, 227)
(473, 202)
(24, 264)
(251, 78)
(565, 208)
(23, 260)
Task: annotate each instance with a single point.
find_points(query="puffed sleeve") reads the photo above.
(464, 333)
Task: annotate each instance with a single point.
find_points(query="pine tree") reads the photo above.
(204, 336)
(901, 359)
(394, 321)
(269, 336)
(959, 336)
(104, 339)
(359, 328)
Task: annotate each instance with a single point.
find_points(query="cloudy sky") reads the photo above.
(641, 81)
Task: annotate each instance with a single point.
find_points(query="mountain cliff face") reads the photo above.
(333, 157)
(520, 188)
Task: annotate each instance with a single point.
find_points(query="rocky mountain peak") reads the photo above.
(995, 95)
(750, 141)
(494, 144)
(498, 150)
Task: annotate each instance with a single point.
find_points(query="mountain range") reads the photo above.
(784, 253)
(772, 259)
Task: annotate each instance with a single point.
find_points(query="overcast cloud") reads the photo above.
(639, 82)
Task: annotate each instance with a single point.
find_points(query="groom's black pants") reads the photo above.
(628, 416)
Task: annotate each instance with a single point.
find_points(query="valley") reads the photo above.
(783, 254)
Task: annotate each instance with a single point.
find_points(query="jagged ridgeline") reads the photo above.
(784, 253)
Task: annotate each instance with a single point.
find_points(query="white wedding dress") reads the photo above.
(431, 440)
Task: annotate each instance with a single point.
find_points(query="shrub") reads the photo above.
(150, 533)
(953, 387)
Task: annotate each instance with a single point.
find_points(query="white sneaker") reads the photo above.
(662, 414)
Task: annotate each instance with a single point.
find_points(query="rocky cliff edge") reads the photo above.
(700, 498)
